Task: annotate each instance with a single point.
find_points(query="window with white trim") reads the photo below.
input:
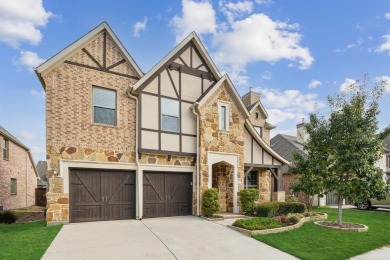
(170, 117)
(104, 106)
(5, 149)
(251, 180)
(223, 109)
(259, 130)
(13, 186)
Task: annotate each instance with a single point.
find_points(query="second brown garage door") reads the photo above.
(97, 195)
(167, 194)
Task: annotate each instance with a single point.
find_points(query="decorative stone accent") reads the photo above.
(57, 208)
(356, 227)
(223, 181)
(159, 159)
(212, 139)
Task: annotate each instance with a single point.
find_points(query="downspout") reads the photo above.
(199, 212)
(128, 92)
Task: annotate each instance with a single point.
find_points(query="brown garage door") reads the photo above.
(167, 194)
(97, 195)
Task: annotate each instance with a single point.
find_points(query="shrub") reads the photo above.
(293, 219)
(257, 223)
(291, 207)
(210, 202)
(248, 199)
(7, 217)
(267, 209)
(271, 209)
(291, 198)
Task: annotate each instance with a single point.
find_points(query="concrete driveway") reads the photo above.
(159, 238)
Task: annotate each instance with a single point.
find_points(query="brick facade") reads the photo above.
(20, 167)
(71, 133)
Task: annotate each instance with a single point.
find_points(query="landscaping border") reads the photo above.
(277, 230)
(364, 228)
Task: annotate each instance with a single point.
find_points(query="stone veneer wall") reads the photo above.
(70, 131)
(223, 181)
(220, 141)
(264, 185)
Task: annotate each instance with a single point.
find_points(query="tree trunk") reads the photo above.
(310, 203)
(340, 211)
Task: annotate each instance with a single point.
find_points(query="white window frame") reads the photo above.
(227, 115)
(114, 109)
(170, 115)
(5, 149)
(261, 130)
(251, 186)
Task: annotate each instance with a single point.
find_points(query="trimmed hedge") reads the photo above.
(248, 199)
(210, 202)
(257, 223)
(7, 217)
(272, 209)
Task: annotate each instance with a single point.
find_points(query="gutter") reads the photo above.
(197, 160)
(128, 92)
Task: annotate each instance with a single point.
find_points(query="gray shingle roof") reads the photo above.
(8, 135)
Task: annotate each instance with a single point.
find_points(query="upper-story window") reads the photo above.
(257, 115)
(5, 149)
(104, 106)
(223, 116)
(388, 161)
(13, 187)
(259, 130)
(170, 115)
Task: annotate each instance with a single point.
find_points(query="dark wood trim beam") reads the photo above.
(267, 166)
(173, 84)
(191, 71)
(166, 132)
(185, 64)
(116, 64)
(100, 69)
(168, 97)
(104, 50)
(151, 151)
(91, 57)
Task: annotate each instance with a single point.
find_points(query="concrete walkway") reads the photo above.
(377, 254)
(159, 238)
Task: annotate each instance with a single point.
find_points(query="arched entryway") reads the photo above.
(222, 180)
(221, 160)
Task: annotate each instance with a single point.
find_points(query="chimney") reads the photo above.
(302, 135)
(250, 98)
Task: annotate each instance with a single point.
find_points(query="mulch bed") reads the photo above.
(344, 224)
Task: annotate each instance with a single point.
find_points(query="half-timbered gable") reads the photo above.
(166, 94)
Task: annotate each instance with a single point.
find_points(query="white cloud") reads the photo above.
(197, 16)
(288, 105)
(314, 84)
(386, 80)
(234, 10)
(20, 21)
(267, 75)
(258, 38)
(37, 93)
(387, 16)
(139, 26)
(29, 59)
(347, 85)
(351, 45)
(26, 135)
(386, 45)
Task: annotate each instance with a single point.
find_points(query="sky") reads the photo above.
(294, 53)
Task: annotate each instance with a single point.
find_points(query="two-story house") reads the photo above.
(123, 144)
(18, 174)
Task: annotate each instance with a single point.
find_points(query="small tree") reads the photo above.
(343, 149)
(210, 202)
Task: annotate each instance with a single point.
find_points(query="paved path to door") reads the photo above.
(159, 238)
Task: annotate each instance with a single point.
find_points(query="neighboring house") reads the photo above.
(18, 175)
(41, 168)
(123, 144)
(384, 162)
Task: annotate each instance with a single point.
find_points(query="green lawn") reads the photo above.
(314, 242)
(27, 240)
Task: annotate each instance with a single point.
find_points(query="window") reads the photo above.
(388, 161)
(5, 149)
(13, 186)
(259, 130)
(257, 115)
(169, 115)
(104, 106)
(223, 116)
(251, 180)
